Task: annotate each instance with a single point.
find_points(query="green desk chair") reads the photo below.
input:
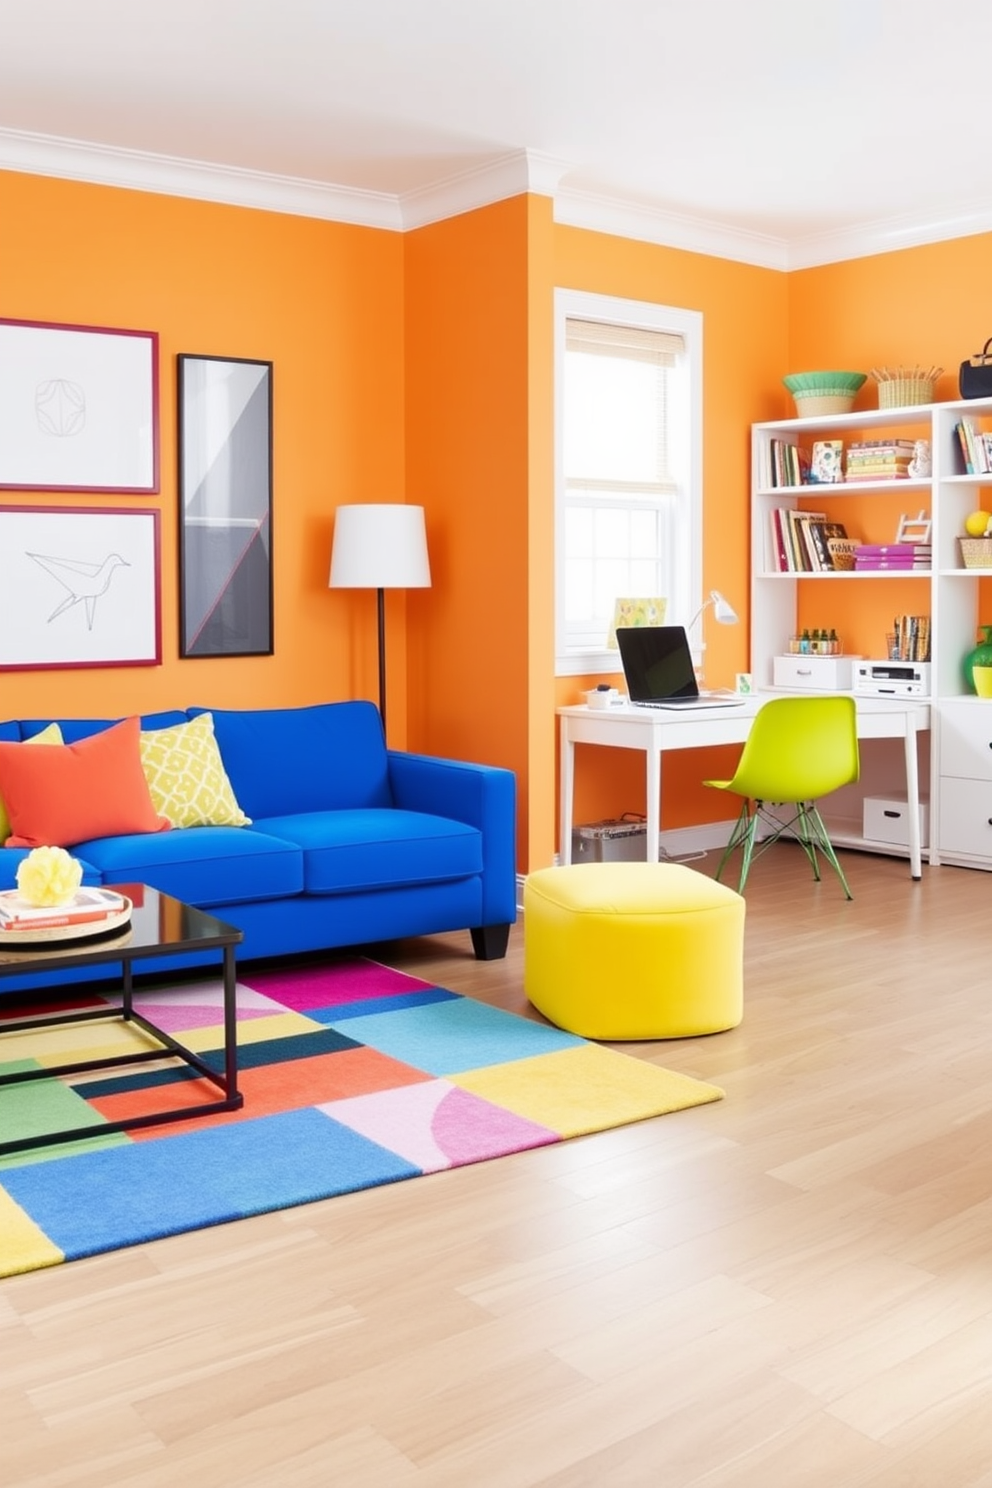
(799, 748)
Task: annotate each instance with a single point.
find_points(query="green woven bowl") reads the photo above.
(830, 383)
(824, 392)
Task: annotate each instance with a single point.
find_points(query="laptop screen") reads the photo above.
(657, 663)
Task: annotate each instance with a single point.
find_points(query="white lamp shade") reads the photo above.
(380, 547)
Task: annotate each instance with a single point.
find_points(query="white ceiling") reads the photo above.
(771, 131)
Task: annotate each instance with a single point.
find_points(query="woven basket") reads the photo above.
(976, 552)
(905, 392)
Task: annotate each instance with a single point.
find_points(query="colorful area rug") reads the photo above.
(353, 1074)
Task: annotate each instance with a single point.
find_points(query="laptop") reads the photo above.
(657, 665)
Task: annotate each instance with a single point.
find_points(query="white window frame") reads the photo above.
(686, 431)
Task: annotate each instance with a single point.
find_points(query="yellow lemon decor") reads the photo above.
(49, 876)
(977, 523)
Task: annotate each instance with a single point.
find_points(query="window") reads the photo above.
(628, 467)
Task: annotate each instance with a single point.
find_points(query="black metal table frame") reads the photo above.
(108, 952)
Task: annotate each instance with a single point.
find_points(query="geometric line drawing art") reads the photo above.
(78, 408)
(83, 582)
(225, 477)
(60, 407)
(79, 587)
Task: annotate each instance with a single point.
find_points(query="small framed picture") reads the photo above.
(79, 587)
(78, 408)
(744, 688)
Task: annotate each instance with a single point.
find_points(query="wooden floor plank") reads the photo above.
(787, 1286)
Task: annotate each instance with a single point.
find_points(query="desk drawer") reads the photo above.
(886, 819)
(814, 673)
(966, 739)
(966, 818)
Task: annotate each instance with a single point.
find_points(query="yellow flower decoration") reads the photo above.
(49, 876)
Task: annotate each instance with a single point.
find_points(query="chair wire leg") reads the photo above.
(748, 845)
(808, 834)
(825, 845)
(736, 838)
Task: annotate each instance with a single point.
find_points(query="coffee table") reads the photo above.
(159, 926)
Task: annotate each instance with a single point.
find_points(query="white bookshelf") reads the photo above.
(950, 593)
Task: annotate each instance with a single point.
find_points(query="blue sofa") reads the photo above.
(350, 842)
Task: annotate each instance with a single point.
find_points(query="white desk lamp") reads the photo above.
(380, 547)
(723, 611)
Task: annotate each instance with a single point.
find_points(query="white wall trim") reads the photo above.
(503, 176)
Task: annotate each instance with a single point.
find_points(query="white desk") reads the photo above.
(654, 731)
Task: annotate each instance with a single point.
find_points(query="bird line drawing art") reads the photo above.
(84, 583)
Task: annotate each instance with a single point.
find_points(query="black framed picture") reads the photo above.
(225, 506)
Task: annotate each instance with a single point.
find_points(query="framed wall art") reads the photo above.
(78, 408)
(79, 587)
(225, 506)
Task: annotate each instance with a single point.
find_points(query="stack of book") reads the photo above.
(789, 464)
(87, 906)
(911, 637)
(976, 447)
(879, 459)
(906, 557)
(800, 541)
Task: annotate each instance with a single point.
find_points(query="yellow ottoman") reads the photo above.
(633, 950)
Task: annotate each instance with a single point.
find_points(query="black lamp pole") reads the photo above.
(382, 656)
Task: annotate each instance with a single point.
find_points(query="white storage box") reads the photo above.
(814, 673)
(886, 819)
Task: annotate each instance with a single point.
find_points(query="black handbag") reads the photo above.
(975, 377)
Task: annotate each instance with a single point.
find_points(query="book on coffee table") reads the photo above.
(86, 906)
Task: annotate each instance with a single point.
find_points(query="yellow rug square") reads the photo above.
(585, 1089)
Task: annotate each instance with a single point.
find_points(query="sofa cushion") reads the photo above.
(74, 729)
(51, 735)
(12, 857)
(67, 793)
(351, 851)
(186, 775)
(204, 865)
(281, 761)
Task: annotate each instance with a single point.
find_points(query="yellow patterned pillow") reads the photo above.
(50, 735)
(186, 776)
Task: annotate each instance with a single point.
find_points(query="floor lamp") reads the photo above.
(380, 547)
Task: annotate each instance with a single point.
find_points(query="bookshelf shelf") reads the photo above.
(956, 599)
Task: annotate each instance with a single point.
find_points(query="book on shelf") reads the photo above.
(823, 533)
(803, 553)
(85, 907)
(825, 464)
(912, 638)
(976, 447)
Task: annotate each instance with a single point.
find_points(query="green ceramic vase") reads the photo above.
(981, 655)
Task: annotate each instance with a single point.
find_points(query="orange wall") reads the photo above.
(468, 431)
(744, 343)
(324, 303)
(420, 367)
(919, 306)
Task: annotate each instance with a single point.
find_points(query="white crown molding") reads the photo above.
(599, 212)
(508, 175)
(74, 160)
(888, 235)
(512, 174)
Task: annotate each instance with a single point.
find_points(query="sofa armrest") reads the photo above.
(482, 796)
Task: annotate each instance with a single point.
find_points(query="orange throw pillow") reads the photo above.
(68, 793)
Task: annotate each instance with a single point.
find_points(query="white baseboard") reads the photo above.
(681, 846)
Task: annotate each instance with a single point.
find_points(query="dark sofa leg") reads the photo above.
(490, 941)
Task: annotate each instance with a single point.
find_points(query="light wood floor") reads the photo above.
(791, 1288)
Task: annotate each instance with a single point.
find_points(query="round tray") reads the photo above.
(57, 934)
